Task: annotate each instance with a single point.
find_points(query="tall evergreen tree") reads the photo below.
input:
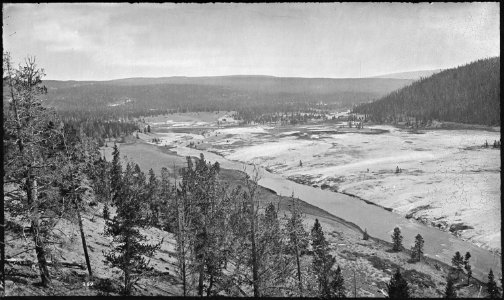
(201, 193)
(365, 235)
(153, 186)
(457, 263)
(467, 266)
(275, 267)
(115, 174)
(129, 252)
(397, 240)
(78, 169)
(417, 250)
(492, 289)
(338, 284)
(168, 207)
(450, 291)
(183, 240)
(322, 260)
(398, 287)
(298, 239)
(32, 155)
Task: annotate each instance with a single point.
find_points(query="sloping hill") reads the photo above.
(370, 261)
(466, 94)
(213, 93)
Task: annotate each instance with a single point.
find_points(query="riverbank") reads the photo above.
(446, 179)
(371, 260)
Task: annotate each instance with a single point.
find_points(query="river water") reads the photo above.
(378, 221)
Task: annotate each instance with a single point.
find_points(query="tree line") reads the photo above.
(466, 94)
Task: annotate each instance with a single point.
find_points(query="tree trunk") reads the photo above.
(255, 267)
(127, 288)
(35, 230)
(200, 282)
(126, 282)
(210, 285)
(84, 246)
(181, 241)
(298, 263)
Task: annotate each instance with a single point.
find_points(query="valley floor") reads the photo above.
(436, 167)
(447, 179)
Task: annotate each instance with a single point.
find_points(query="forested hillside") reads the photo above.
(144, 96)
(466, 94)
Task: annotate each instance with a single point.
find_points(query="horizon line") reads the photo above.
(245, 75)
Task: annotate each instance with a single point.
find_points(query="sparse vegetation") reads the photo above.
(398, 287)
(417, 249)
(397, 240)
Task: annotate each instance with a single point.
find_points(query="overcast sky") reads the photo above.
(109, 41)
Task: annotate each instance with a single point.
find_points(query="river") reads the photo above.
(378, 221)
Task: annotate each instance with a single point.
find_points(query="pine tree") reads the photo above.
(182, 238)
(298, 239)
(457, 262)
(168, 206)
(467, 266)
(129, 253)
(115, 174)
(417, 250)
(365, 236)
(81, 155)
(450, 291)
(32, 155)
(102, 187)
(274, 266)
(338, 284)
(106, 212)
(398, 287)
(492, 289)
(205, 208)
(397, 240)
(154, 201)
(322, 260)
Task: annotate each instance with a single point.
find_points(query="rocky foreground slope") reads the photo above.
(370, 261)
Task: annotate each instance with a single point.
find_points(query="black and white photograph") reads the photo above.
(322, 150)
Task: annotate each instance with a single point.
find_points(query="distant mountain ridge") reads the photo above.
(214, 93)
(413, 75)
(253, 82)
(466, 94)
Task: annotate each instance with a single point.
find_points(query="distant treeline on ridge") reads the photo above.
(466, 94)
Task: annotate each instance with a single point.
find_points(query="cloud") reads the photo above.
(320, 40)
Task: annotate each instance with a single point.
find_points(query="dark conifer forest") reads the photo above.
(466, 94)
